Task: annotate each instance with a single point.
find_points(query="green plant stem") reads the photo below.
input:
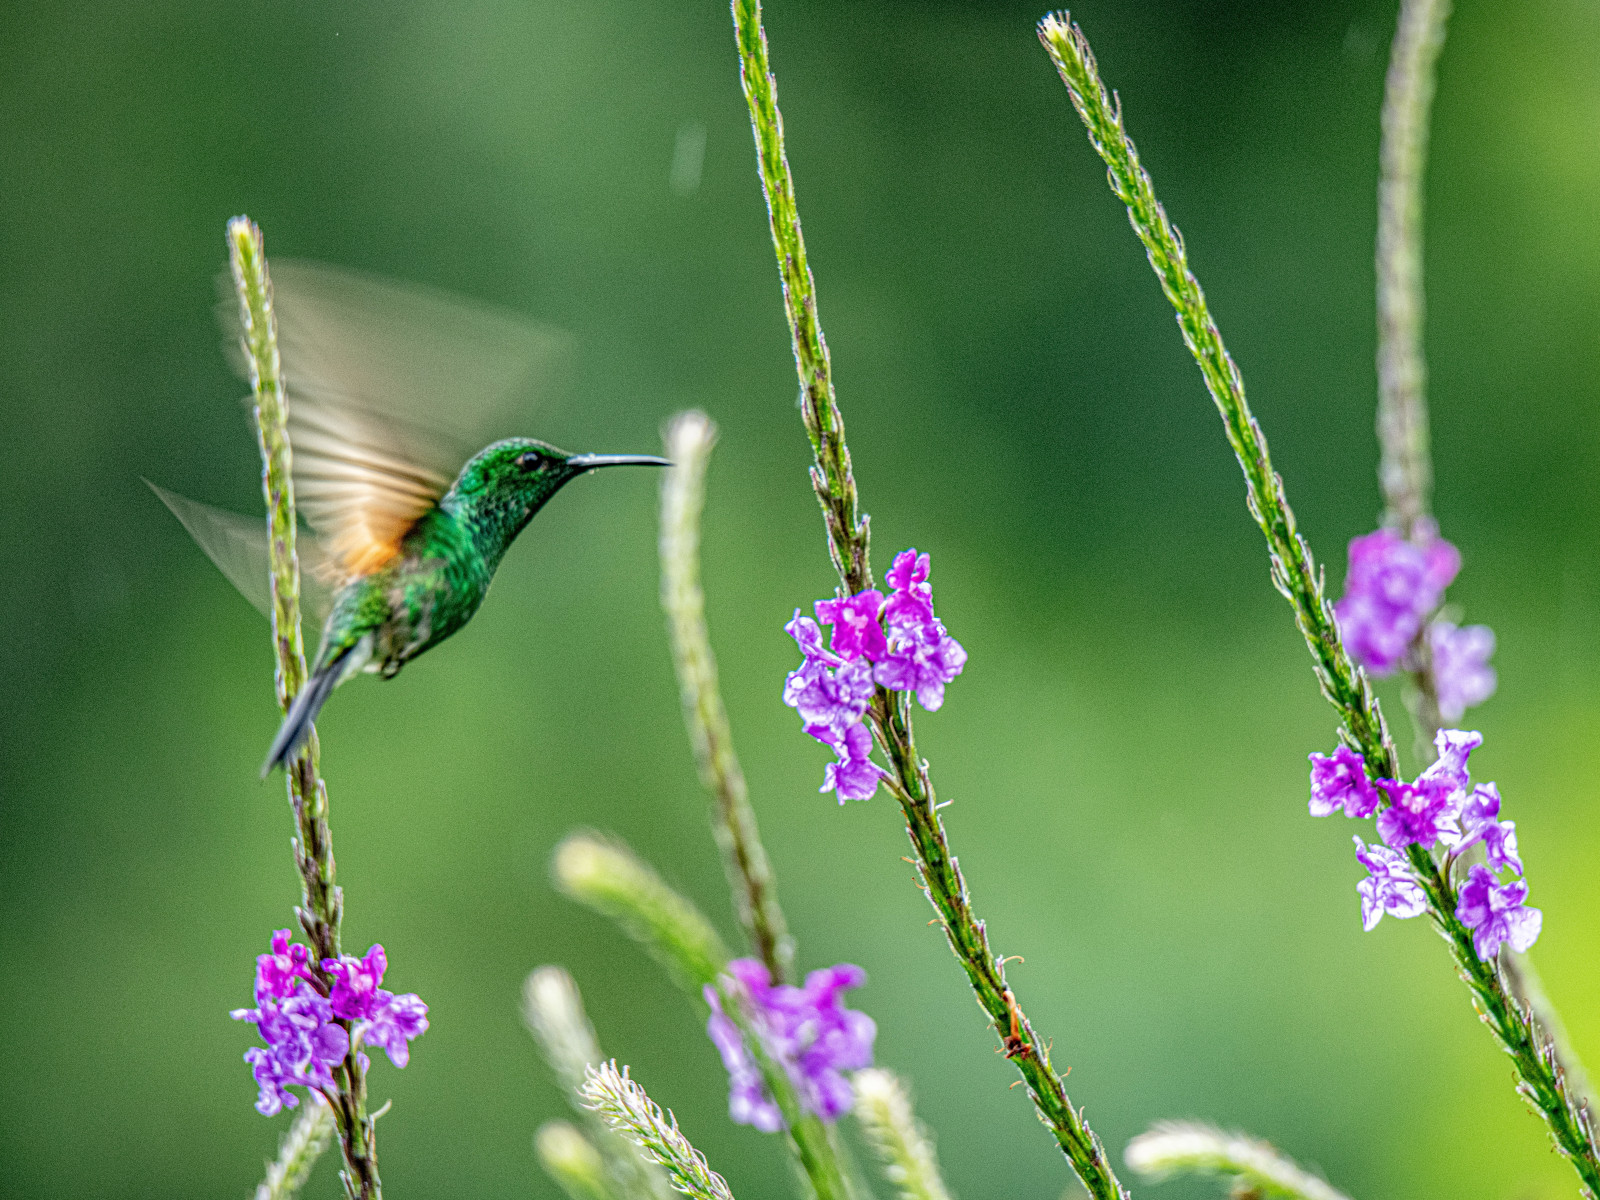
(831, 478)
(305, 1142)
(689, 440)
(1257, 1168)
(611, 879)
(322, 902)
(1295, 574)
(1404, 472)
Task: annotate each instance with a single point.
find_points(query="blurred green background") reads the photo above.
(1126, 751)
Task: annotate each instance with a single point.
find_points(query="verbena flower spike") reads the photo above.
(1295, 574)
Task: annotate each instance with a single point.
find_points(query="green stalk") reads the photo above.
(624, 1106)
(321, 902)
(835, 487)
(1295, 574)
(689, 440)
(610, 879)
(305, 1142)
(1257, 1168)
(1404, 472)
(831, 478)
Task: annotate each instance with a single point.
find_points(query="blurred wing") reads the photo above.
(391, 388)
(238, 545)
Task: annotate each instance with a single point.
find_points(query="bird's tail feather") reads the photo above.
(303, 711)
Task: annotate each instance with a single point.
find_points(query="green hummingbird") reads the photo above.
(407, 536)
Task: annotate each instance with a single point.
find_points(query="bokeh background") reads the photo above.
(1126, 751)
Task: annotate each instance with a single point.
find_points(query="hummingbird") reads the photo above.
(408, 529)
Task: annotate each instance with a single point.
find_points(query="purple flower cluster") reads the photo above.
(308, 1026)
(892, 641)
(1440, 806)
(1392, 588)
(808, 1030)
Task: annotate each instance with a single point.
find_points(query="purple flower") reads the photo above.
(303, 1045)
(922, 657)
(278, 974)
(1390, 886)
(856, 632)
(831, 695)
(1480, 823)
(396, 1021)
(912, 598)
(1496, 914)
(1453, 747)
(1391, 587)
(809, 638)
(748, 1100)
(273, 1078)
(894, 642)
(806, 1029)
(355, 983)
(855, 776)
(1418, 812)
(1341, 782)
(301, 1026)
(1461, 671)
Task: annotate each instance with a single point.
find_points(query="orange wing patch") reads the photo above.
(389, 386)
(356, 484)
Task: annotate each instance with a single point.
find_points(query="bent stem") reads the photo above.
(1295, 574)
(848, 543)
(321, 902)
(689, 440)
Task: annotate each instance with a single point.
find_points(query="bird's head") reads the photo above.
(504, 484)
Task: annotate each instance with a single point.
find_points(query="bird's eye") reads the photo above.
(530, 461)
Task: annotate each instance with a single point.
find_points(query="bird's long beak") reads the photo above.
(588, 462)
